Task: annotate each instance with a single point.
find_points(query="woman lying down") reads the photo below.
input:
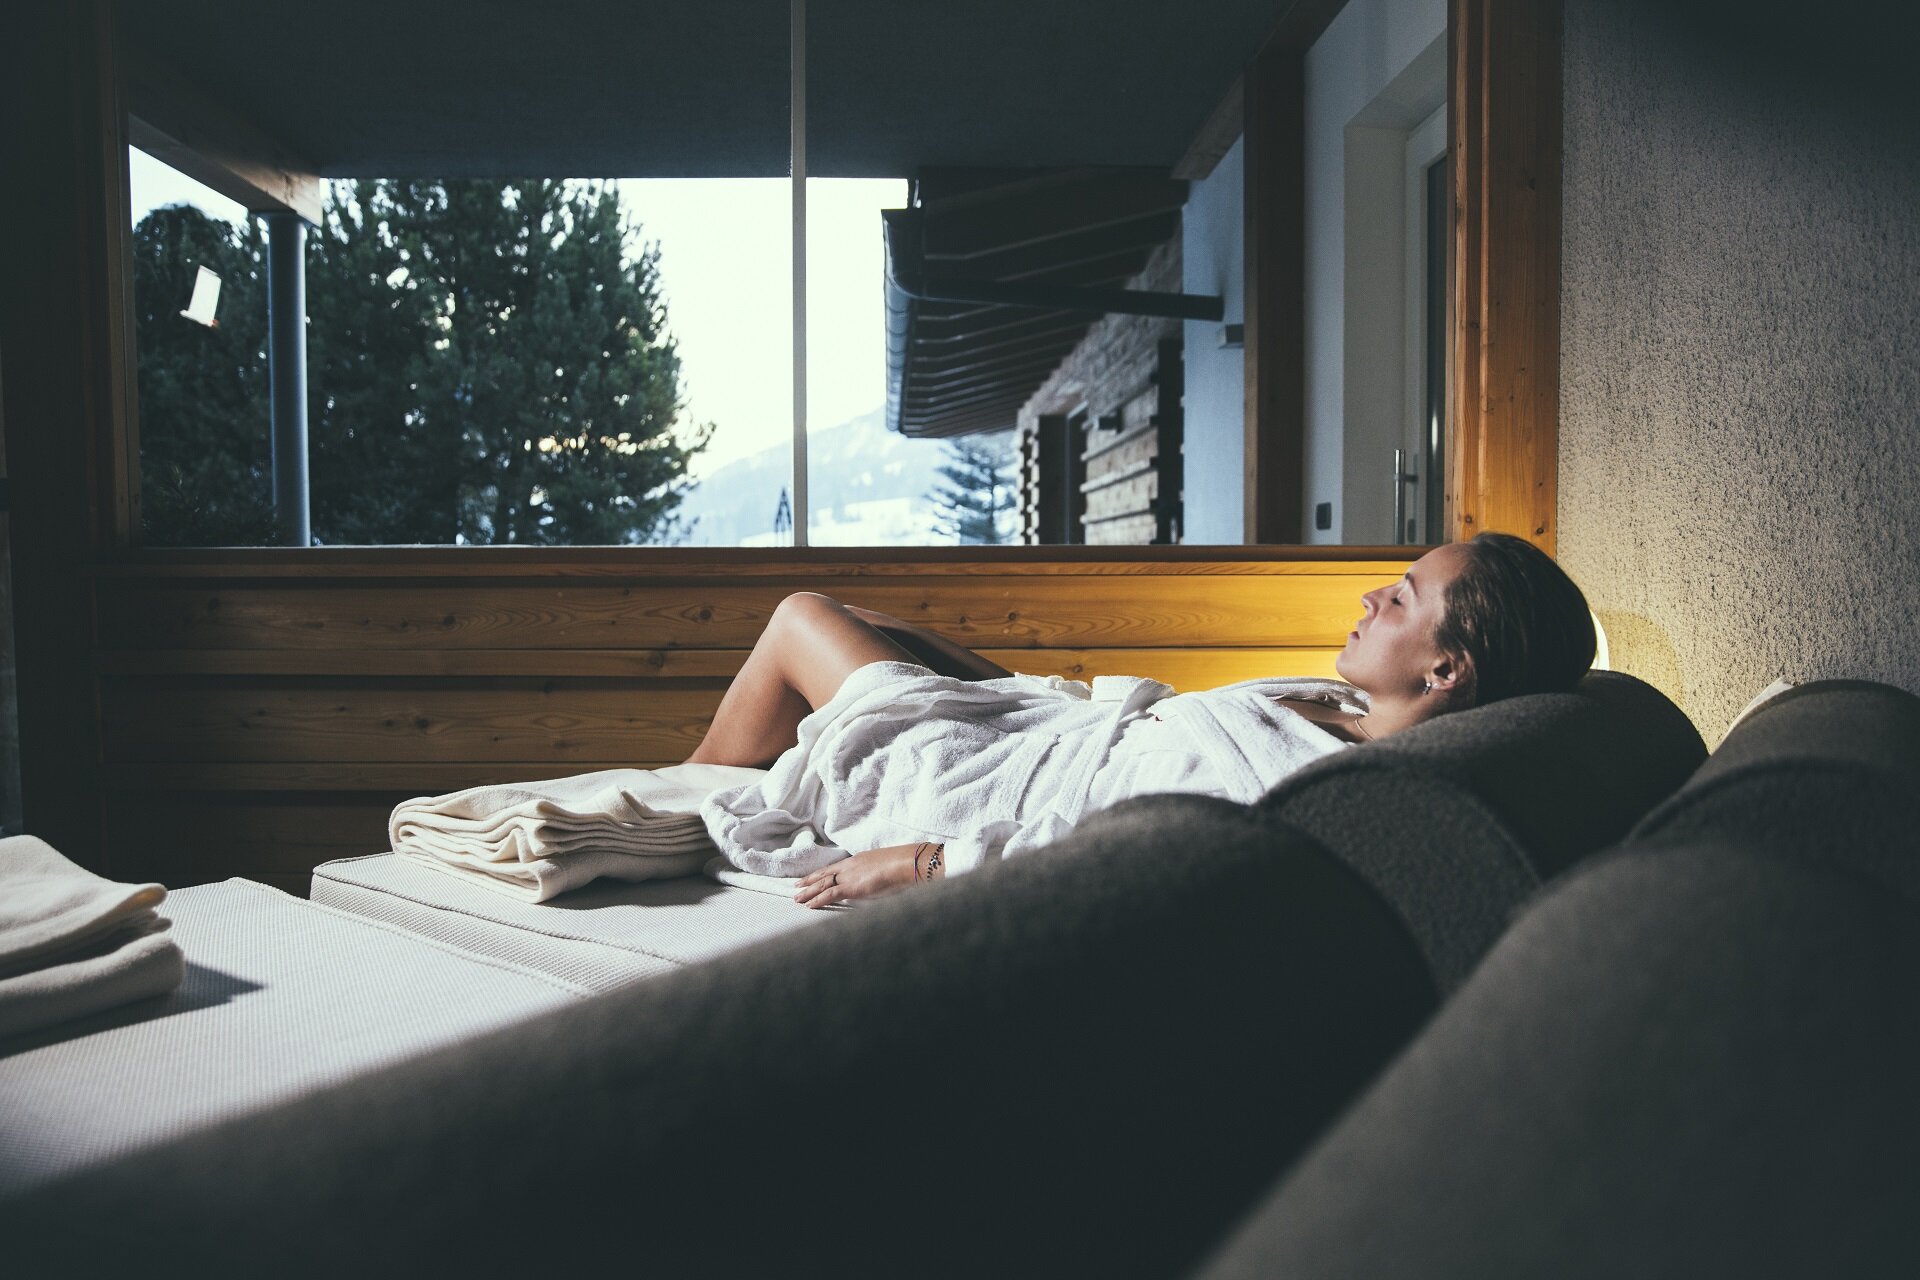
(898, 757)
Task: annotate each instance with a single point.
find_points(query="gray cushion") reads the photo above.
(1829, 769)
(1084, 1063)
(1685, 1062)
(1457, 821)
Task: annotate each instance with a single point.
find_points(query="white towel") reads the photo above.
(74, 943)
(536, 840)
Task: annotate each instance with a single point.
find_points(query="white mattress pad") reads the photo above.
(281, 997)
(600, 936)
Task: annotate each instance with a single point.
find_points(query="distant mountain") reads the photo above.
(868, 485)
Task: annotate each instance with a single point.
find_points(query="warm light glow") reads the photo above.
(1602, 659)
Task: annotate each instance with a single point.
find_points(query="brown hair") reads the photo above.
(1516, 620)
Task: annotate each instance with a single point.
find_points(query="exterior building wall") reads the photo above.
(1124, 430)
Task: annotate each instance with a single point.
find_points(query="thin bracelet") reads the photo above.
(917, 851)
(933, 863)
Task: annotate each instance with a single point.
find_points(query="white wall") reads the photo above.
(1371, 78)
(1213, 261)
(1739, 323)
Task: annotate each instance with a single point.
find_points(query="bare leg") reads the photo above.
(931, 650)
(811, 645)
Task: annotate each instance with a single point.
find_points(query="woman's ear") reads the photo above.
(1450, 673)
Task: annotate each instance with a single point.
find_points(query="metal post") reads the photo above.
(287, 373)
(797, 156)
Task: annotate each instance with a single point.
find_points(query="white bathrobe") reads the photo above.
(993, 768)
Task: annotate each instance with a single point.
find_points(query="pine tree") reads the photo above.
(483, 367)
(977, 499)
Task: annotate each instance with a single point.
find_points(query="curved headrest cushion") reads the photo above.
(1457, 820)
(1827, 769)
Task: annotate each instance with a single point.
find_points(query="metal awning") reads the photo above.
(994, 276)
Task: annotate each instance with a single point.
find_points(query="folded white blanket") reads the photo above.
(536, 840)
(74, 943)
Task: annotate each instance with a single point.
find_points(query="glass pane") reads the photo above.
(1010, 339)
(200, 326)
(1375, 121)
(523, 362)
(726, 271)
(869, 485)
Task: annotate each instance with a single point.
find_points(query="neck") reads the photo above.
(1390, 714)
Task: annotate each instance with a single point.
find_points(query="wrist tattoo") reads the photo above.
(934, 854)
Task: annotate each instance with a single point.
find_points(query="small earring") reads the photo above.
(1426, 686)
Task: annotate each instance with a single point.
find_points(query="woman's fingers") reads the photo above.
(820, 888)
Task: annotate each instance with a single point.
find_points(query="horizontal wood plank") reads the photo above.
(1000, 613)
(630, 664)
(319, 566)
(1197, 668)
(561, 721)
(577, 723)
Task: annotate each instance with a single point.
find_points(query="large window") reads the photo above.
(566, 361)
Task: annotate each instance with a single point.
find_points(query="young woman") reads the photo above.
(898, 756)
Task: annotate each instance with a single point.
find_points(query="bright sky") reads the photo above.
(726, 265)
(726, 270)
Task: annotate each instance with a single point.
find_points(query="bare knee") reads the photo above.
(804, 610)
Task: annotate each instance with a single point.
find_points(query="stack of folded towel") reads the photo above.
(535, 840)
(72, 943)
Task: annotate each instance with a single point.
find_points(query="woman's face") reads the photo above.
(1391, 651)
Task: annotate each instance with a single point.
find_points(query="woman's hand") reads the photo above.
(864, 875)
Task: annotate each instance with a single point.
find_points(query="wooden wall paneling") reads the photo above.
(257, 725)
(573, 721)
(63, 327)
(1504, 370)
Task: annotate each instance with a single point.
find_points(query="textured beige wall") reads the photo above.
(1740, 388)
